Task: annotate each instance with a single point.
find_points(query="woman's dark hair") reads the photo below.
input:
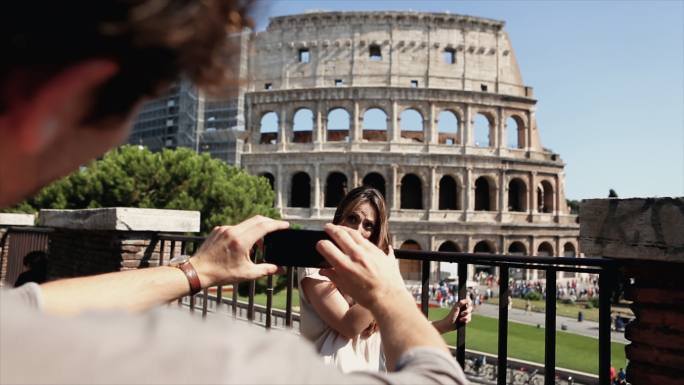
(358, 196)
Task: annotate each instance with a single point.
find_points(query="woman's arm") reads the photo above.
(460, 312)
(334, 309)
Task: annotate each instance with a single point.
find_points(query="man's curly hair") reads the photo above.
(154, 43)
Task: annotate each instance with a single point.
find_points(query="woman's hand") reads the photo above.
(460, 313)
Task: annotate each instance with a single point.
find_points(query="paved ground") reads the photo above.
(585, 328)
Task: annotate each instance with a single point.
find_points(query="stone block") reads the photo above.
(644, 229)
(122, 219)
(11, 219)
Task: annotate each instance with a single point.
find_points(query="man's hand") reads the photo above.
(224, 258)
(360, 268)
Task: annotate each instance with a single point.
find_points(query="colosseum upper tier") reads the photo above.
(394, 100)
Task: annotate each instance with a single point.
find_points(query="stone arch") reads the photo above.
(517, 195)
(411, 192)
(302, 125)
(375, 125)
(517, 248)
(448, 193)
(483, 130)
(448, 127)
(375, 180)
(268, 128)
(516, 132)
(569, 250)
(410, 269)
(411, 125)
(485, 194)
(485, 247)
(270, 178)
(335, 188)
(449, 246)
(338, 125)
(300, 191)
(545, 249)
(545, 197)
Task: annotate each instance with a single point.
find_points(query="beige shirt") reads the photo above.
(167, 346)
(358, 353)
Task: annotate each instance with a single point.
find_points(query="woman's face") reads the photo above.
(362, 219)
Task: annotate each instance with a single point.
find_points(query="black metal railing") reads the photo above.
(15, 243)
(606, 269)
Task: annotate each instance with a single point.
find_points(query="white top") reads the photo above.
(348, 355)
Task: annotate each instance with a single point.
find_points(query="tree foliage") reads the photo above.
(131, 176)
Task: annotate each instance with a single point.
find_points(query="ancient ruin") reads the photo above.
(430, 108)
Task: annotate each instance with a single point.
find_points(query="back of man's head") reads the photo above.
(152, 42)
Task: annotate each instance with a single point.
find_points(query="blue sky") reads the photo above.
(608, 76)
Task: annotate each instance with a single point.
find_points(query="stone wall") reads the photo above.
(75, 253)
(646, 236)
(87, 242)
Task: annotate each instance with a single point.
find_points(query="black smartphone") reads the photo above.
(294, 248)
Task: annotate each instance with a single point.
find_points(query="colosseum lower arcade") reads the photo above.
(428, 108)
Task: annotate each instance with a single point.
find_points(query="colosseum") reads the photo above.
(429, 108)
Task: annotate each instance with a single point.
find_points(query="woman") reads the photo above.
(344, 332)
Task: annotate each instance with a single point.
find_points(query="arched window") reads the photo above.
(412, 125)
(335, 189)
(448, 193)
(376, 181)
(302, 126)
(483, 247)
(375, 125)
(515, 131)
(268, 128)
(481, 131)
(338, 125)
(517, 195)
(447, 128)
(517, 248)
(545, 250)
(411, 192)
(270, 178)
(300, 194)
(484, 196)
(449, 246)
(410, 269)
(569, 250)
(486, 248)
(545, 197)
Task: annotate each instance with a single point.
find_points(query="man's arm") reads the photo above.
(372, 278)
(222, 259)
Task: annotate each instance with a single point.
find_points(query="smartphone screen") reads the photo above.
(294, 248)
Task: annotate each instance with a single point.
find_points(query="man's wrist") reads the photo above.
(391, 302)
(205, 277)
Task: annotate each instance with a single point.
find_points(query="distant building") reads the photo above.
(184, 117)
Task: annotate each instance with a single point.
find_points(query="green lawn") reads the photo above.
(527, 343)
(562, 309)
(524, 341)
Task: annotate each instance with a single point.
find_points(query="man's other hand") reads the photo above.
(359, 268)
(224, 257)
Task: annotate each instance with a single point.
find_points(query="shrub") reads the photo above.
(533, 296)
